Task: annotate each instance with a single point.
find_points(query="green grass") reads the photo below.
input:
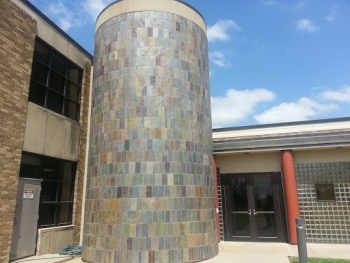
(320, 260)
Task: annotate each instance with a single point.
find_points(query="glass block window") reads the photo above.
(326, 221)
(55, 81)
(57, 187)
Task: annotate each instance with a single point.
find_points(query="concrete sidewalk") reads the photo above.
(239, 252)
(244, 252)
(249, 252)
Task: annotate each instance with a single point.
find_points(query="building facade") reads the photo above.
(45, 87)
(271, 174)
(265, 176)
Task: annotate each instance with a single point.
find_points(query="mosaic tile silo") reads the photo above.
(150, 189)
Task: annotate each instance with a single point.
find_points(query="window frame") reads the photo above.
(59, 185)
(49, 90)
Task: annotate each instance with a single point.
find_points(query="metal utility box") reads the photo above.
(26, 219)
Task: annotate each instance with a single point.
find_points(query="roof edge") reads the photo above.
(282, 124)
(180, 1)
(56, 27)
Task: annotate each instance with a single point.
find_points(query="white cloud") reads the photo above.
(342, 95)
(219, 30)
(301, 110)
(64, 16)
(300, 5)
(268, 2)
(332, 15)
(219, 58)
(86, 11)
(236, 105)
(306, 25)
(94, 7)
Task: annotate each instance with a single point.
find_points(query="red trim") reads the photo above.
(291, 194)
(216, 198)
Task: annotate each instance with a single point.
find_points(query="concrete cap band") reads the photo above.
(170, 6)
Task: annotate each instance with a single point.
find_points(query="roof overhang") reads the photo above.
(280, 143)
(333, 133)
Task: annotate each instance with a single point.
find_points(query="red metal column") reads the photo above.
(291, 194)
(216, 198)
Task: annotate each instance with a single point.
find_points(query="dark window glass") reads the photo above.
(72, 92)
(239, 195)
(58, 64)
(66, 192)
(54, 102)
(48, 191)
(41, 52)
(263, 194)
(64, 215)
(55, 73)
(74, 75)
(71, 109)
(47, 214)
(39, 72)
(325, 192)
(50, 168)
(29, 171)
(37, 94)
(57, 82)
(30, 166)
(57, 187)
(68, 171)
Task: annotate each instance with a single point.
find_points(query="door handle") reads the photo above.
(250, 212)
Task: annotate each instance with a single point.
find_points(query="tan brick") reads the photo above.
(79, 182)
(17, 31)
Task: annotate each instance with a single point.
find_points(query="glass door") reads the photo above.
(240, 226)
(264, 209)
(253, 208)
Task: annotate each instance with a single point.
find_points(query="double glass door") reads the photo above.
(253, 208)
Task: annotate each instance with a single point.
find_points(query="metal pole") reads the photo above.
(302, 249)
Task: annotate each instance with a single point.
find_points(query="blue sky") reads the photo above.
(271, 61)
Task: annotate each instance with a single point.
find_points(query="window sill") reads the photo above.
(56, 228)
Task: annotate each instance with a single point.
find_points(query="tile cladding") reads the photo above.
(150, 189)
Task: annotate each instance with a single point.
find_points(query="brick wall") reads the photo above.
(79, 182)
(17, 34)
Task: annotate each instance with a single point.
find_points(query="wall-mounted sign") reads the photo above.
(325, 192)
(28, 193)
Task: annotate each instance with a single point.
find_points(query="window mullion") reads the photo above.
(63, 82)
(64, 88)
(48, 77)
